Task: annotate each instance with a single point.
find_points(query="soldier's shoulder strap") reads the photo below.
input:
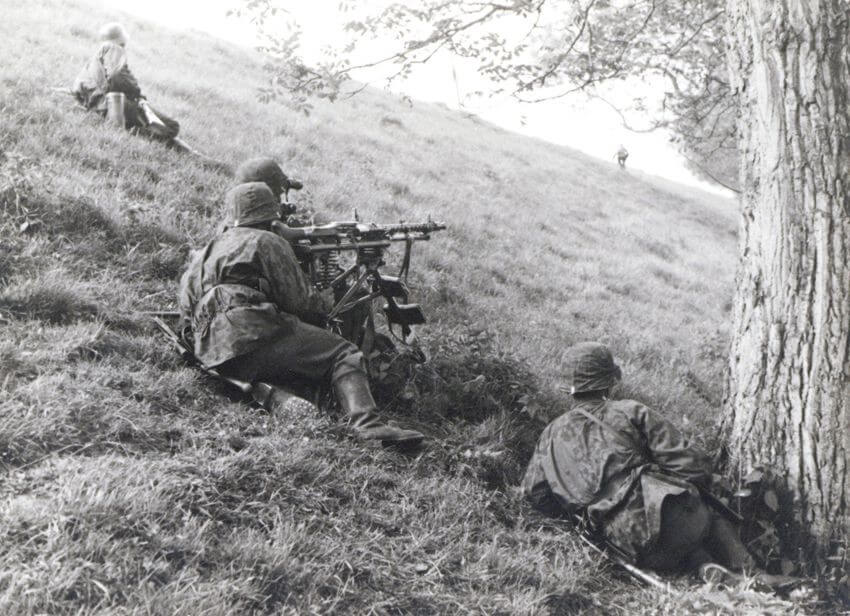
(618, 434)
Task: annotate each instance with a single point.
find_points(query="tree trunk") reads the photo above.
(788, 404)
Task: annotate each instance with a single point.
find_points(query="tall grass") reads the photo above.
(135, 485)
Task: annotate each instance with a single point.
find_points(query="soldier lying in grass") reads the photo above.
(633, 477)
(255, 317)
(106, 72)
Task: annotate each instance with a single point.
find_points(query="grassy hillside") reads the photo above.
(133, 484)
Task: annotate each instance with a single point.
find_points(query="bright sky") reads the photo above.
(580, 123)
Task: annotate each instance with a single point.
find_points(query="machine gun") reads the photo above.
(321, 251)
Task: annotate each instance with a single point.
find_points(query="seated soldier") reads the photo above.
(632, 476)
(106, 72)
(250, 309)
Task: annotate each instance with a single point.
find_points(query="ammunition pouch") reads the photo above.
(404, 314)
(393, 287)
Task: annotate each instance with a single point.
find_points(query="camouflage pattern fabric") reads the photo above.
(251, 203)
(618, 478)
(106, 71)
(591, 367)
(241, 292)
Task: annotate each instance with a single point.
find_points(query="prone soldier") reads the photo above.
(633, 477)
(255, 317)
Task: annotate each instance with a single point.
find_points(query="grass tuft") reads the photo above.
(53, 297)
(77, 218)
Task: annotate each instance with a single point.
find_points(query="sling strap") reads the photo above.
(620, 436)
(712, 500)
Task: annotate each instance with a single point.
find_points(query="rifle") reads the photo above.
(719, 506)
(188, 354)
(319, 250)
(617, 556)
(265, 394)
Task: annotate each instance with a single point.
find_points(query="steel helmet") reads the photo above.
(268, 171)
(591, 367)
(113, 32)
(251, 203)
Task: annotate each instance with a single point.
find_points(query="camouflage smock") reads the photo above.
(106, 71)
(617, 475)
(240, 292)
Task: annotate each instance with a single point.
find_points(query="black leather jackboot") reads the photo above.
(355, 398)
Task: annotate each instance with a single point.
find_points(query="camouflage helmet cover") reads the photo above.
(591, 367)
(113, 32)
(264, 170)
(251, 203)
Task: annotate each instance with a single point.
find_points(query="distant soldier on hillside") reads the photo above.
(632, 476)
(621, 156)
(107, 72)
(255, 317)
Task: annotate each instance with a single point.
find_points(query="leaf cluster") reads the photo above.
(536, 50)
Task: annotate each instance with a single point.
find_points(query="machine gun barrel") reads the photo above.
(353, 235)
(318, 249)
(346, 245)
(417, 227)
(354, 231)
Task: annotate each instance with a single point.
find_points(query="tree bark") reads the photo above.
(788, 402)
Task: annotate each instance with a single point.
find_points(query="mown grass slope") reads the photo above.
(133, 484)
